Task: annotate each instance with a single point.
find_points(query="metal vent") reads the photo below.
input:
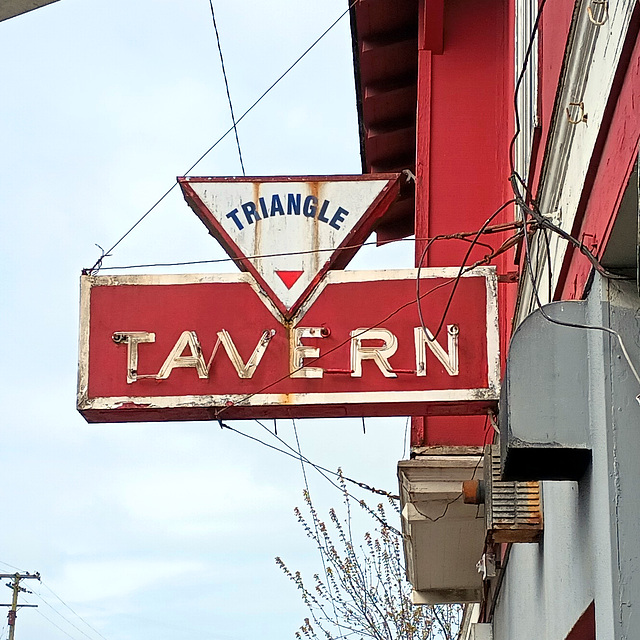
(513, 510)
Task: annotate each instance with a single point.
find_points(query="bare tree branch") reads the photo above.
(363, 591)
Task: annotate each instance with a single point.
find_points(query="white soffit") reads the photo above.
(444, 537)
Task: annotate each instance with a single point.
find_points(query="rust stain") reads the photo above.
(315, 240)
(257, 233)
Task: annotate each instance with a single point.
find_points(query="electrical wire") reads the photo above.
(464, 236)
(220, 412)
(98, 264)
(545, 224)
(75, 613)
(461, 271)
(298, 456)
(55, 625)
(573, 325)
(525, 64)
(226, 85)
(48, 604)
(473, 473)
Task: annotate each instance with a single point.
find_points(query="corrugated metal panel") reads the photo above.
(513, 509)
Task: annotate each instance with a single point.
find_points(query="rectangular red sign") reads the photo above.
(199, 347)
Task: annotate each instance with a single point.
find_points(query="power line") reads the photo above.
(9, 565)
(86, 635)
(55, 625)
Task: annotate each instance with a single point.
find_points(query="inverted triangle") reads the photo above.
(289, 277)
(289, 231)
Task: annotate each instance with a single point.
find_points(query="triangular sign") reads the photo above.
(288, 231)
(289, 277)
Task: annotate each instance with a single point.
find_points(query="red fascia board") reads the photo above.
(431, 26)
(554, 31)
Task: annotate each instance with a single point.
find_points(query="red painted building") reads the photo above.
(526, 115)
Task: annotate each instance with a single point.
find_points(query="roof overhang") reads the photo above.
(385, 52)
(13, 8)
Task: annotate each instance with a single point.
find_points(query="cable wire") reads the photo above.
(461, 271)
(525, 64)
(226, 85)
(463, 236)
(524, 209)
(362, 485)
(319, 469)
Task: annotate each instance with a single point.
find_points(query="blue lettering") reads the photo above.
(255, 212)
(338, 217)
(263, 208)
(234, 216)
(323, 210)
(250, 211)
(276, 205)
(293, 203)
(310, 206)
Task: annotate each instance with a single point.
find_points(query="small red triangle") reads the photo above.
(289, 277)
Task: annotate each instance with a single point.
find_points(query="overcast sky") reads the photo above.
(155, 530)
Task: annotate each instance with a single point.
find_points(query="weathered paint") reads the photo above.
(594, 67)
(187, 371)
(289, 231)
(618, 158)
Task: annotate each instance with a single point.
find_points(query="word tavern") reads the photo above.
(365, 344)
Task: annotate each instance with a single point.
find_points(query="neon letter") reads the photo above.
(133, 339)
(424, 338)
(380, 355)
(245, 370)
(176, 359)
(300, 351)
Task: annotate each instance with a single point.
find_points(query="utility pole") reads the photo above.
(13, 611)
